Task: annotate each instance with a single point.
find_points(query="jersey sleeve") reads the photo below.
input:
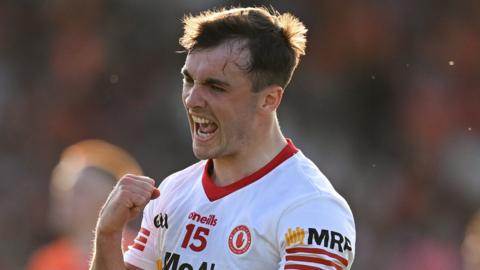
(317, 233)
(142, 252)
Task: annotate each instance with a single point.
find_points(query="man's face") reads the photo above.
(218, 97)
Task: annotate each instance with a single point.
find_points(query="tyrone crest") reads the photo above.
(240, 240)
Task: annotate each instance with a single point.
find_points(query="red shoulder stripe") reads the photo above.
(318, 251)
(145, 231)
(138, 246)
(313, 260)
(301, 267)
(141, 239)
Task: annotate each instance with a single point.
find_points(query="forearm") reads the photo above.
(108, 252)
(124, 203)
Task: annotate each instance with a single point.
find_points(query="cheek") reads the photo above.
(184, 97)
(239, 120)
(186, 90)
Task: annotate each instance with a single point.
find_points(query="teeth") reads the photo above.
(200, 120)
(203, 135)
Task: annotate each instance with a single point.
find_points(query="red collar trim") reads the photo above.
(214, 192)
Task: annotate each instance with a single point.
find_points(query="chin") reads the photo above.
(202, 154)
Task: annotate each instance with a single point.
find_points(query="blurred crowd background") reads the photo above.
(386, 102)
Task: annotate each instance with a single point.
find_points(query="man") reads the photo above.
(254, 201)
(83, 177)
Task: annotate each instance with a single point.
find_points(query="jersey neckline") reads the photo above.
(214, 192)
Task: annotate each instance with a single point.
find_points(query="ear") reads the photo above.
(270, 98)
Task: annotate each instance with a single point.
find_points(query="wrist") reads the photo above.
(105, 228)
(108, 235)
(107, 242)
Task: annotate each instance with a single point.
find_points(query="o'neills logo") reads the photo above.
(161, 220)
(210, 220)
(240, 240)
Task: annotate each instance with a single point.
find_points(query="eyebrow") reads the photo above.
(208, 81)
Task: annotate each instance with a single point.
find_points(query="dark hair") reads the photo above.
(275, 41)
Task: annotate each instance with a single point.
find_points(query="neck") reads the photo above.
(260, 150)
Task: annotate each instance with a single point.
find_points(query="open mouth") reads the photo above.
(204, 128)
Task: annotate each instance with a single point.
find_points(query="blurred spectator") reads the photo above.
(81, 182)
(471, 244)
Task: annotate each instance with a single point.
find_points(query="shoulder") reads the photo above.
(325, 211)
(314, 216)
(299, 178)
(184, 176)
(312, 193)
(298, 182)
(320, 227)
(174, 186)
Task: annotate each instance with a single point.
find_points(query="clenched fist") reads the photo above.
(125, 202)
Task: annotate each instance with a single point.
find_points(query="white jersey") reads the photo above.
(287, 215)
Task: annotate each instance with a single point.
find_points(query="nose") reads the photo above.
(193, 97)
